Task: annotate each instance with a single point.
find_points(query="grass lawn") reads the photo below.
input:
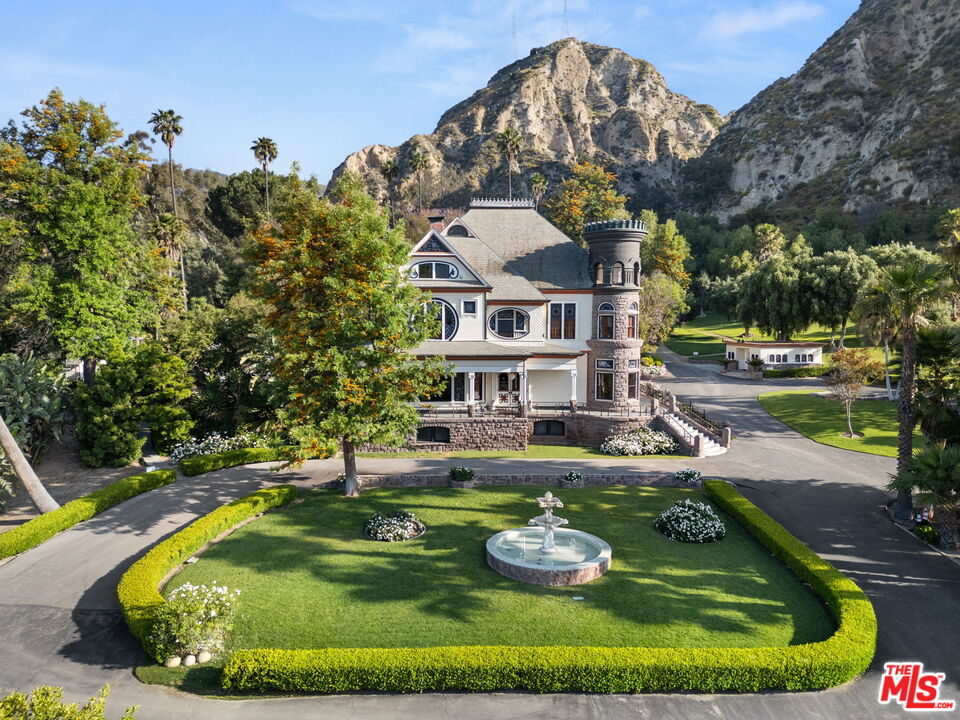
(823, 420)
(311, 580)
(532, 451)
(701, 335)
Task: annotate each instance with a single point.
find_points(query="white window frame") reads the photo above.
(563, 320)
(463, 308)
(415, 272)
(497, 311)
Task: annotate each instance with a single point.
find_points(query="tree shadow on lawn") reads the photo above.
(658, 592)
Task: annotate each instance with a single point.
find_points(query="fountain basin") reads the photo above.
(580, 557)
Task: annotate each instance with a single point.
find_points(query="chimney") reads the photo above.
(436, 222)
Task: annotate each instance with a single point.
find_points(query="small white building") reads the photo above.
(774, 354)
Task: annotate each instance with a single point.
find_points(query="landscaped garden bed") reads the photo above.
(342, 613)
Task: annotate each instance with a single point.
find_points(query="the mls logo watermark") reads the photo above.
(907, 684)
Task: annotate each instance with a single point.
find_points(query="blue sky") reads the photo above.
(326, 77)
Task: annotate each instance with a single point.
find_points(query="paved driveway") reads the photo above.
(60, 625)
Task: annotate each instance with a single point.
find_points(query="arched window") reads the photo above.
(509, 323)
(618, 274)
(434, 271)
(636, 273)
(633, 319)
(448, 318)
(457, 231)
(605, 321)
(598, 273)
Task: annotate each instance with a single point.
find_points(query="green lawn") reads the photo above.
(701, 335)
(532, 451)
(311, 580)
(823, 420)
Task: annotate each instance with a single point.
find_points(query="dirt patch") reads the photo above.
(65, 477)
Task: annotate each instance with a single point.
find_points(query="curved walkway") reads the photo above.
(60, 623)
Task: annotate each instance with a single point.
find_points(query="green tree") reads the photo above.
(768, 241)
(345, 321)
(81, 278)
(538, 188)
(775, 297)
(265, 151)
(664, 249)
(509, 143)
(850, 370)
(938, 365)
(46, 703)
(661, 303)
(878, 324)
(587, 196)
(419, 162)
(897, 255)
(948, 242)
(934, 474)
(838, 279)
(166, 124)
(909, 291)
(147, 385)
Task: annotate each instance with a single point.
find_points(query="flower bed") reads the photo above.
(33, 532)
(688, 475)
(396, 527)
(194, 621)
(639, 442)
(213, 444)
(691, 522)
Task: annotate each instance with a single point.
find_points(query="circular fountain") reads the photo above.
(547, 554)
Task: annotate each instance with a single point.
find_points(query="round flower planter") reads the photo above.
(421, 531)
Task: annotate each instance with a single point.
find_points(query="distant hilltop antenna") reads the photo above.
(566, 21)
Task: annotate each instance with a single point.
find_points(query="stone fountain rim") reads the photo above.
(605, 553)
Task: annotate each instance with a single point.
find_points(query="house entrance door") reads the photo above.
(508, 389)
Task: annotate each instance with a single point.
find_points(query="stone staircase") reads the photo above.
(689, 434)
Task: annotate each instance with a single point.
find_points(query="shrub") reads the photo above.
(33, 532)
(147, 385)
(6, 489)
(639, 442)
(690, 522)
(232, 458)
(213, 444)
(46, 703)
(573, 477)
(651, 361)
(140, 599)
(927, 533)
(460, 473)
(800, 372)
(31, 404)
(194, 618)
(688, 475)
(396, 527)
(812, 666)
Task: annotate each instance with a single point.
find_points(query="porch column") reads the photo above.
(524, 390)
(573, 388)
(471, 400)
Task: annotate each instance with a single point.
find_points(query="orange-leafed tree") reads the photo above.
(587, 196)
(344, 320)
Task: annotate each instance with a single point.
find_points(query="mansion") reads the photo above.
(529, 318)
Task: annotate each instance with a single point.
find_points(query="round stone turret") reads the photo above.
(615, 343)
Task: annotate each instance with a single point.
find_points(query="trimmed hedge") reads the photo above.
(33, 532)
(812, 666)
(801, 372)
(232, 458)
(139, 588)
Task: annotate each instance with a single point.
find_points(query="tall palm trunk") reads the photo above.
(509, 177)
(350, 486)
(419, 192)
(176, 215)
(266, 189)
(886, 367)
(906, 415)
(35, 489)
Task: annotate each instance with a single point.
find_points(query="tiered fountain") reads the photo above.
(546, 553)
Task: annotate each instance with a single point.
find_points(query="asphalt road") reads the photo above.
(60, 623)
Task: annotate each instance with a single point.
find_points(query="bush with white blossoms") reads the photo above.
(574, 477)
(691, 522)
(396, 527)
(194, 618)
(688, 475)
(639, 442)
(213, 444)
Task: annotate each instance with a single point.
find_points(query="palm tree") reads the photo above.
(509, 142)
(166, 124)
(937, 352)
(21, 466)
(935, 475)
(910, 290)
(418, 163)
(390, 171)
(265, 150)
(877, 324)
(538, 186)
(167, 231)
(949, 231)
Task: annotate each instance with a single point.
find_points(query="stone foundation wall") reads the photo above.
(664, 479)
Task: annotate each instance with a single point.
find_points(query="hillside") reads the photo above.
(872, 118)
(570, 101)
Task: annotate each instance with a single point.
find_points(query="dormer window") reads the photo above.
(434, 271)
(457, 231)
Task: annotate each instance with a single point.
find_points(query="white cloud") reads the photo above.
(731, 24)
